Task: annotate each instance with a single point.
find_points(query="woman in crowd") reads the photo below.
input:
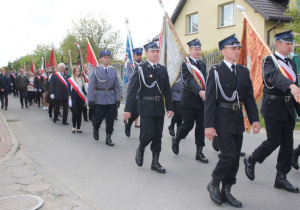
(77, 97)
(30, 88)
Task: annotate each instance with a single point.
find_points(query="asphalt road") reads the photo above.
(108, 177)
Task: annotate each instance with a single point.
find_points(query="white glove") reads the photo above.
(86, 102)
(11, 84)
(52, 96)
(35, 89)
(40, 90)
(70, 102)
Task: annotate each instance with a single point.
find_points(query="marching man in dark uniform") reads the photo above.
(59, 92)
(104, 95)
(192, 102)
(280, 97)
(228, 87)
(176, 96)
(38, 86)
(152, 82)
(137, 57)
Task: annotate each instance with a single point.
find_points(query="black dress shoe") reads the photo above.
(242, 154)
(250, 167)
(139, 157)
(215, 144)
(155, 163)
(108, 141)
(86, 120)
(96, 134)
(227, 197)
(214, 191)
(79, 131)
(175, 145)
(127, 129)
(295, 158)
(171, 130)
(200, 156)
(54, 120)
(65, 123)
(50, 115)
(137, 126)
(282, 183)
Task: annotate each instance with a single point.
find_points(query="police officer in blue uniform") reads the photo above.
(280, 99)
(104, 95)
(176, 96)
(151, 81)
(228, 87)
(192, 102)
(130, 68)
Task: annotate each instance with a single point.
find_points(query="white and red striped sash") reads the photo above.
(77, 88)
(86, 77)
(288, 70)
(62, 79)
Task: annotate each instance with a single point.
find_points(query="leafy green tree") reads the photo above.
(295, 24)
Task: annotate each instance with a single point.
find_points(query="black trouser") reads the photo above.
(189, 116)
(77, 109)
(30, 96)
(50, 108)
(152, 132)
(64, 104)
(38, 96)
(101, 111)
(177, 117)
(23, 94)
(15, 90)
(230, 146)
(279, 133)
(4, 102)
(85, 113)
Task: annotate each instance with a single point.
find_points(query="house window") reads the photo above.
(193, 23)
(227, 15)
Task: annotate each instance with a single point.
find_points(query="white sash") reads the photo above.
(77, 88)
(60, 77)
(288, 69)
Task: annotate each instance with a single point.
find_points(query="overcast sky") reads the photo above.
(26, 23)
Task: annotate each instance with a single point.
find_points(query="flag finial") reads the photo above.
(241, 8)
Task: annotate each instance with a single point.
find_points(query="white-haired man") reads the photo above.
(59, 92)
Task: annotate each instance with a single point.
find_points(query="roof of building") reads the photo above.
(270, 9)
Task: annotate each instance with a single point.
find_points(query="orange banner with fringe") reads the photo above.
(252, 54)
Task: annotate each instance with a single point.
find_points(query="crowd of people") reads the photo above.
(213, 103)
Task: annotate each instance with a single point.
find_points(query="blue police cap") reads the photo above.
(194, 43)
(137, 50)
(104, 52)
(286, 36)
(230, 41)
(151, 46)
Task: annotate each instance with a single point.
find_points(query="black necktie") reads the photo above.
(286, 61)
(155, 68)
(106, 71)
(233, 69)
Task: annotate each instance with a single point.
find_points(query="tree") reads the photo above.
(100, 34)
(67, 44)
(295, 23)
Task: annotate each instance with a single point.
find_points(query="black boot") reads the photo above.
(175, 145)
(214, 190)
(171, 129)
(215, 144)
(108, 140)
(96, 133)
(200, 156)
(282, 183)
(295, 157)
(155, 164)
(227, 197)
(139, 157)
(242, 154)
(127, 129)
(250, 167)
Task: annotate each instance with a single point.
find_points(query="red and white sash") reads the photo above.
(62, 79)
(199, 74)
(13, 76)
(288, 70)
(44, 76)
(77, 88)
(31, 85)
(37, 76)
(85, 76)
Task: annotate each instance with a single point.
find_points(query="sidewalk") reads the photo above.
(20, 175)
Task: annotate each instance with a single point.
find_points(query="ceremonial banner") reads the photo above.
(252, 55)
(31, 66)
(52, 59)
(171, 55)
(79, 60)
(128, 58)
(90, 56)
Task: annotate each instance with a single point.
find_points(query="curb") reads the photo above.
(15, 144)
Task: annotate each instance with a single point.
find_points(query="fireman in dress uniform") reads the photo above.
(104, 96)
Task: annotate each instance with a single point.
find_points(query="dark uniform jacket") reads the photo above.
(150, 107)
(272, 108)
(190, 96)
(22, 82)
(4, 82)
(38, 83)
(58, 88)
(226, 120)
